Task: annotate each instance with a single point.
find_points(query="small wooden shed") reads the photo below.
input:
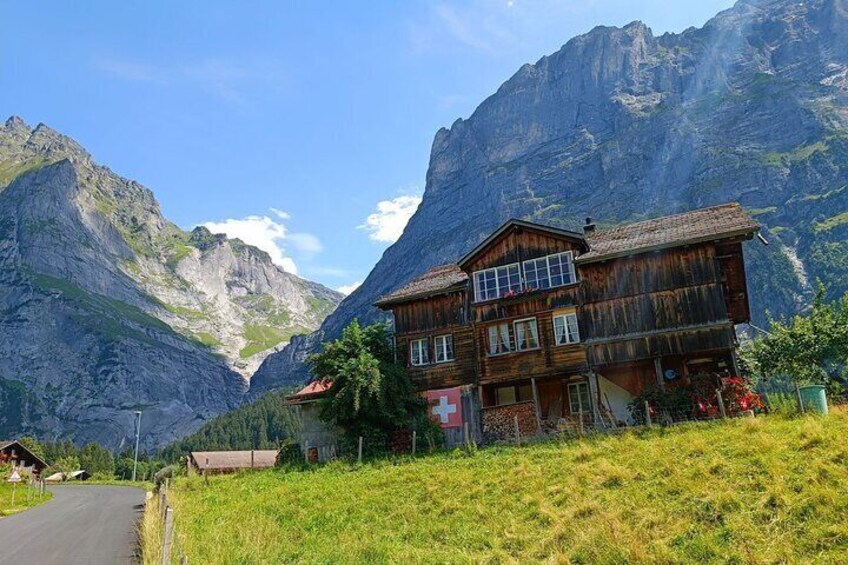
(318, 439)
(215, 462)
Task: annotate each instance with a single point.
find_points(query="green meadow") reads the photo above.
(767, 490)
(23, 499)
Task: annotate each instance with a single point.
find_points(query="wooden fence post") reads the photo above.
(466, 437)
(721, 403)
(647, 414)
(359, 455)
(414, 440)
(168, 538)
(800, 399)
(517, 430)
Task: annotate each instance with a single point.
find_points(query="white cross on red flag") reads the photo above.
(445, 406)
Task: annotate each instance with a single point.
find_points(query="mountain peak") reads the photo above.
(15, 122)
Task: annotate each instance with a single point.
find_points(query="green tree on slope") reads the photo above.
(809, 348)
(371, 394)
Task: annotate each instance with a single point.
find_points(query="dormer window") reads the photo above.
(550, 272)
(494, 283)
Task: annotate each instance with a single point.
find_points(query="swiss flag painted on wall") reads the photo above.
(445, 406)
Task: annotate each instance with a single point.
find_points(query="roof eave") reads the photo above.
(457, 287)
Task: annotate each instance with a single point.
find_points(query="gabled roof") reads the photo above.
(312, 391)
(707, 224)
(512, 224)
(227, 460)
(4, 443)
(438, 280)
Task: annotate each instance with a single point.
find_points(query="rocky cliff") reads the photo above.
(623, 125)
(106, 307)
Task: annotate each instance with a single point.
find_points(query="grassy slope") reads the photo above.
(744, 491)
(21, 501)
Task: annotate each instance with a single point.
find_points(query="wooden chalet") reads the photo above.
(16, 454)
(553, 327)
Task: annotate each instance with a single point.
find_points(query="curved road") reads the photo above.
(82, 524)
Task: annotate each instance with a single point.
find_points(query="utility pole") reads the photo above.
(137, 434)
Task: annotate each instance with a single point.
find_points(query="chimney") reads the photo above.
(589, 227)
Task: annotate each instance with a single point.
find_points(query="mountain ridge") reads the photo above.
(99, 289)
(623, 125)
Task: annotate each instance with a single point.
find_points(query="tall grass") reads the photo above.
(765, 490)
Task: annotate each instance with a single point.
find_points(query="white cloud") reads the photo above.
(269, 236)
(387, 222)
(348, 288)
(306, 243)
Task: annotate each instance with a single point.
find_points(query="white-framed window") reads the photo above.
(501, 339)
(526, 334)
(550, 272)
(496, 282)
(565, 329)
(418, 352)
(579, 401)
(443, 344)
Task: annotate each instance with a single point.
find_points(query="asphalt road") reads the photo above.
(81, 525)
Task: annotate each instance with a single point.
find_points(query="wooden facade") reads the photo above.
(669, 303)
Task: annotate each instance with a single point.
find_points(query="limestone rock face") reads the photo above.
(623, 125)
(106, 307)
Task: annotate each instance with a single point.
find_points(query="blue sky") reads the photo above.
(304, 127)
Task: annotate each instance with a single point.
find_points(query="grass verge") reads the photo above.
(25, 498)
(766, 490)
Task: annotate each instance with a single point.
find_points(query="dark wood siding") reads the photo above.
(732, 275)
(437, 312)
(549, 360)
(527, 305)
(520, 245)
(658, 304)
(462, 370)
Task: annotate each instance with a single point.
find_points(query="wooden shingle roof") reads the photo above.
(438, 280)
(707, 224)
(310, 392)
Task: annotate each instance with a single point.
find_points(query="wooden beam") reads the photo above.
(659, 372)
(595, 395)
(536, 406)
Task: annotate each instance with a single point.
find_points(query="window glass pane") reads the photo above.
(530, 279)
(555, 269)
(505, 395)
(493, 340)
(578, 397)
(525, 393)
(542, 274)
(444, 348)
(500, 339)
(479, 286)
(560, 330)
(573, 331)
(526, 335)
